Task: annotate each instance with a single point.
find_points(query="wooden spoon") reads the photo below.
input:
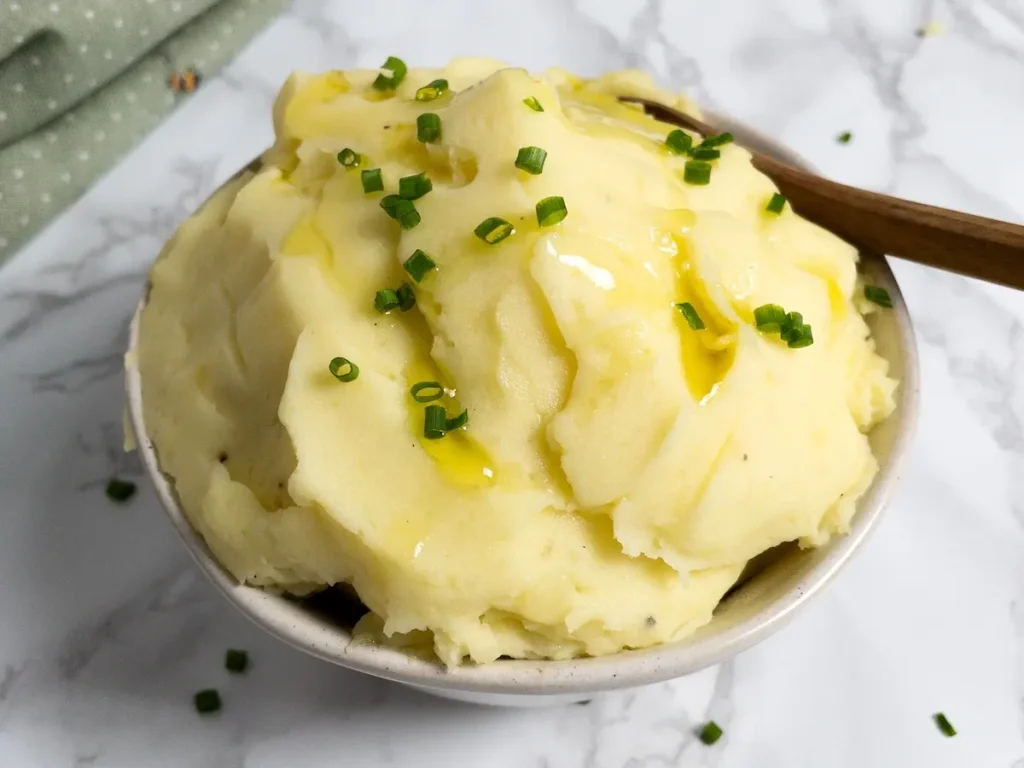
(937, 237)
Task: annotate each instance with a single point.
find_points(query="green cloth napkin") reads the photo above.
(81, 81)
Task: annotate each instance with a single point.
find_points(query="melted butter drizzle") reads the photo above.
(707, 355)
(458, 456)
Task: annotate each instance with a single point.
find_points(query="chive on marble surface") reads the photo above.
(109, 630)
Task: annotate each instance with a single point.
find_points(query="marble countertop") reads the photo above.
(107, 628)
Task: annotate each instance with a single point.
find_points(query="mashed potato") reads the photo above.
(618, 467)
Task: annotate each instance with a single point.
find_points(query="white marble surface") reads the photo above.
(106, 628)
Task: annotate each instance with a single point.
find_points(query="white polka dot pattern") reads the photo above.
(69, 110)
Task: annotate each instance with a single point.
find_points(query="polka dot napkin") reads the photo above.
(81, 81)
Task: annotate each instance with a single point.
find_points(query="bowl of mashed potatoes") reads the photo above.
(492, 384)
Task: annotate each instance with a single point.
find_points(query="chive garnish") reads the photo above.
(692, 318)
(120, 490)
(419, 265)
(427, 391)
(796, 333)
(844, 137)
(398, 72)
(879, 296)
(414, 187)
(943, 724)
(710, 733)
(493, 230)
(717, 140)
(344, 369)
(551, 210)
(207, 701)
(678, 142)
(432, 90)
(349, 158)
(531, 159)
(428, 127)
(390, 204)
(236, 661)
(704, 153)
(458, 422)
(435, 422)
(406, 297)
(776, 203)
(771, 318)
(697, 172)
(401, 210)
(533, 104)
(408, 217)
(385, 300)
(372, 181)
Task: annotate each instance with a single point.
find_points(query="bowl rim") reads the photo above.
(289, 621)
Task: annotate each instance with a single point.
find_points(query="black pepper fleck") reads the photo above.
(650, 621)
(223, 457)
(744, 457)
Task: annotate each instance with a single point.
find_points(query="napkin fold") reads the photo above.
(82, 81)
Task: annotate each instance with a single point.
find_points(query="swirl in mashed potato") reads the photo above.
(618, 468)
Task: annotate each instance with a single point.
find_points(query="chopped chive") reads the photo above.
(435, 422)
(432, 90)
(372, 181)
(458, 422)
(678, 142)
(879, 296)
(799, 337)
(692, 318)
(398, 72)
(408, 216)
(704, 153)
(943, 724)
(551, 210)
(349, 158)
(401, 210)
(533, 104)
(344, 369)
(385, 300)
(697, 172)
(207, 701)
(236, 661)
(718, 140)
(427, 391)
(776, 203)
(414, 187)
(406, 297)
(770, 318)
(531, 159)
(419, 265)
(390, 204)
(844, 137)
(710, 733)
(428, 127)
(493, 230)
(120, 490)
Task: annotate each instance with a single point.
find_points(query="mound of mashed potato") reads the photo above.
(618, 467)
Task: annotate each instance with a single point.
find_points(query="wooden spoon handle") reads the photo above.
(937, 237)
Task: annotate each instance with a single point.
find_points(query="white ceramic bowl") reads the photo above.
(775, 585)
